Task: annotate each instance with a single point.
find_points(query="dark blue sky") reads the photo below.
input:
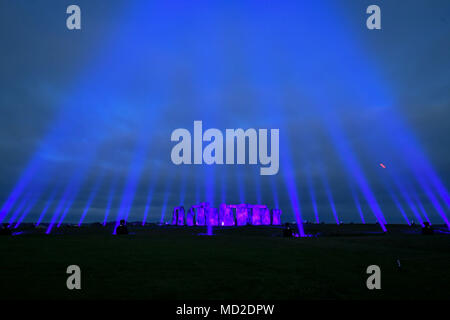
(85, 113)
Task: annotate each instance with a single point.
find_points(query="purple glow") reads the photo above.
(31, 204)
(274, 193)
(370, 197)
(223, 193)
(56, 213)
(27, 210)
(190, 217)
(182, 189)
(417, 201)
(422, 209)
(164, 206)
(440, 188)
(212, 216)
(226, 217)
(132, 182)
(397, 203)
(357, 204)
(197, 191)
(166, 198)
(330, 197)
(178, 216)
(313, 197)
(181, 215)
(149, 201)
(418, 162)
(201, 213)
(17, 211)
(72, 192)
(265, 216)
(421, 168)
(240, 186)
(245, 214)
(290, 183)
(434, 201)
(276, 217)
(289, 178)
(416, 213)
(241, 214)
(66, 210)
(255, 216)
(400, 208)
(200, 216)
(352, 166)
(64, 213)
(70, 200)
(258, 189)
(209, 185)
(408, 200)
(91, 198)
(18, 189)
(67, 195)
(47, 205)
(258, 212)
(112, 192)
(209, 230)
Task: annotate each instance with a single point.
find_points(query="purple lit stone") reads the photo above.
(204, 215)
(241, 215)
(190, 217)
(201, 213)
(200, 216)
(174, 216)
(180, 216)
(265, 216)
(226, 216)
(212, 216)
(256, 216)
(276, 217)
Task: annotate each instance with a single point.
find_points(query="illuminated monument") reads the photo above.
(178, 216)
(226, 215)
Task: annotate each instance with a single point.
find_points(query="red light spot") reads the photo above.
(383, 166)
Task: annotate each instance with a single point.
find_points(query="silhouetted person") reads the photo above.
(122, 228)
(287, 231)
(427, 229)
(5, 231)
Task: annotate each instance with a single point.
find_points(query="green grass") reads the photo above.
(246, 263)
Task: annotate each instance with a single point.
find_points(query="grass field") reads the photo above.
(236, 263)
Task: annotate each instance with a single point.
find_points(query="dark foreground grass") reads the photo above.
(245, 263)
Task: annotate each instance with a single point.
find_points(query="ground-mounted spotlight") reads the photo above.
(5, 230)
(427, 229)
(288, 232)
(122, 228)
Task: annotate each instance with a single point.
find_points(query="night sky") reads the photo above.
(87, 115)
